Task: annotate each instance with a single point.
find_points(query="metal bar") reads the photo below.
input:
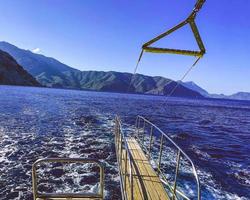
(197, 36)
(177, 191)
(102, 182)
(136, 122)
(191, 20)
(164, 34)
(118, 144)
(181, 153)
(124, 197)
(176, 171)
(34, 181)
(67, 195)
(143, 132)
(160, 154)
(130, 164)
(173, 51)
(151, 138)
(138, 127)
(121, 150)
(170, 140)
(129, 157)
(199, 192)
(125, 173)
(116, 134)
(197, 8)
(67, 160)
(131, 182)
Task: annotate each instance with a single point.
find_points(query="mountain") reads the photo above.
(120, 82)
(192, 86)
(48, 71)
(240, 96)
(237, 96)
(11, 73)
(52, 73)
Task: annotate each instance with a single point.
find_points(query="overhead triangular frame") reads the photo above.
(191, 21)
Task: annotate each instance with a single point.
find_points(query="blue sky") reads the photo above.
(107, 35)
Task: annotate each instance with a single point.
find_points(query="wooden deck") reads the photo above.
(146, 183)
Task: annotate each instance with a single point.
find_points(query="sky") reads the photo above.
(108, 35)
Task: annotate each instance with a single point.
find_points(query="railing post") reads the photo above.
(143, 132)
(151, 138)
(160, 154)
(121, 150)
(136, 122)
(199, 192)
(176, 193)
(34, 181)
(102, 182)
(131, 182)
(118, 143)
(138, 127)
(176, 172)
(125, 173)
(117, 136)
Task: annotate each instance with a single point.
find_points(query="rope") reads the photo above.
(177, 83)
(136, 67)
(183, 77)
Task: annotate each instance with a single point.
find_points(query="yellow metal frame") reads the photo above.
(191, 21)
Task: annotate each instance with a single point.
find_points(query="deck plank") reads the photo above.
(147, 184)
(150, 177)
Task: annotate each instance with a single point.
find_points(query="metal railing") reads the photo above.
(122, 152)
(140, 125)
(66, 196)
(125, 161)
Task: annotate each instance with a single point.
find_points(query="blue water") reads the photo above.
(40, 122)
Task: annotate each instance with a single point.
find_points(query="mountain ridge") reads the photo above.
(52, 73)
(235, 96)
(11, 73)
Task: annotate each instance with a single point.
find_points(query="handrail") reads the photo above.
(123, 152)
(36, 194)
(119, 141)
(179, 154)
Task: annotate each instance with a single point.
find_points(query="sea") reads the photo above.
(40, 123)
